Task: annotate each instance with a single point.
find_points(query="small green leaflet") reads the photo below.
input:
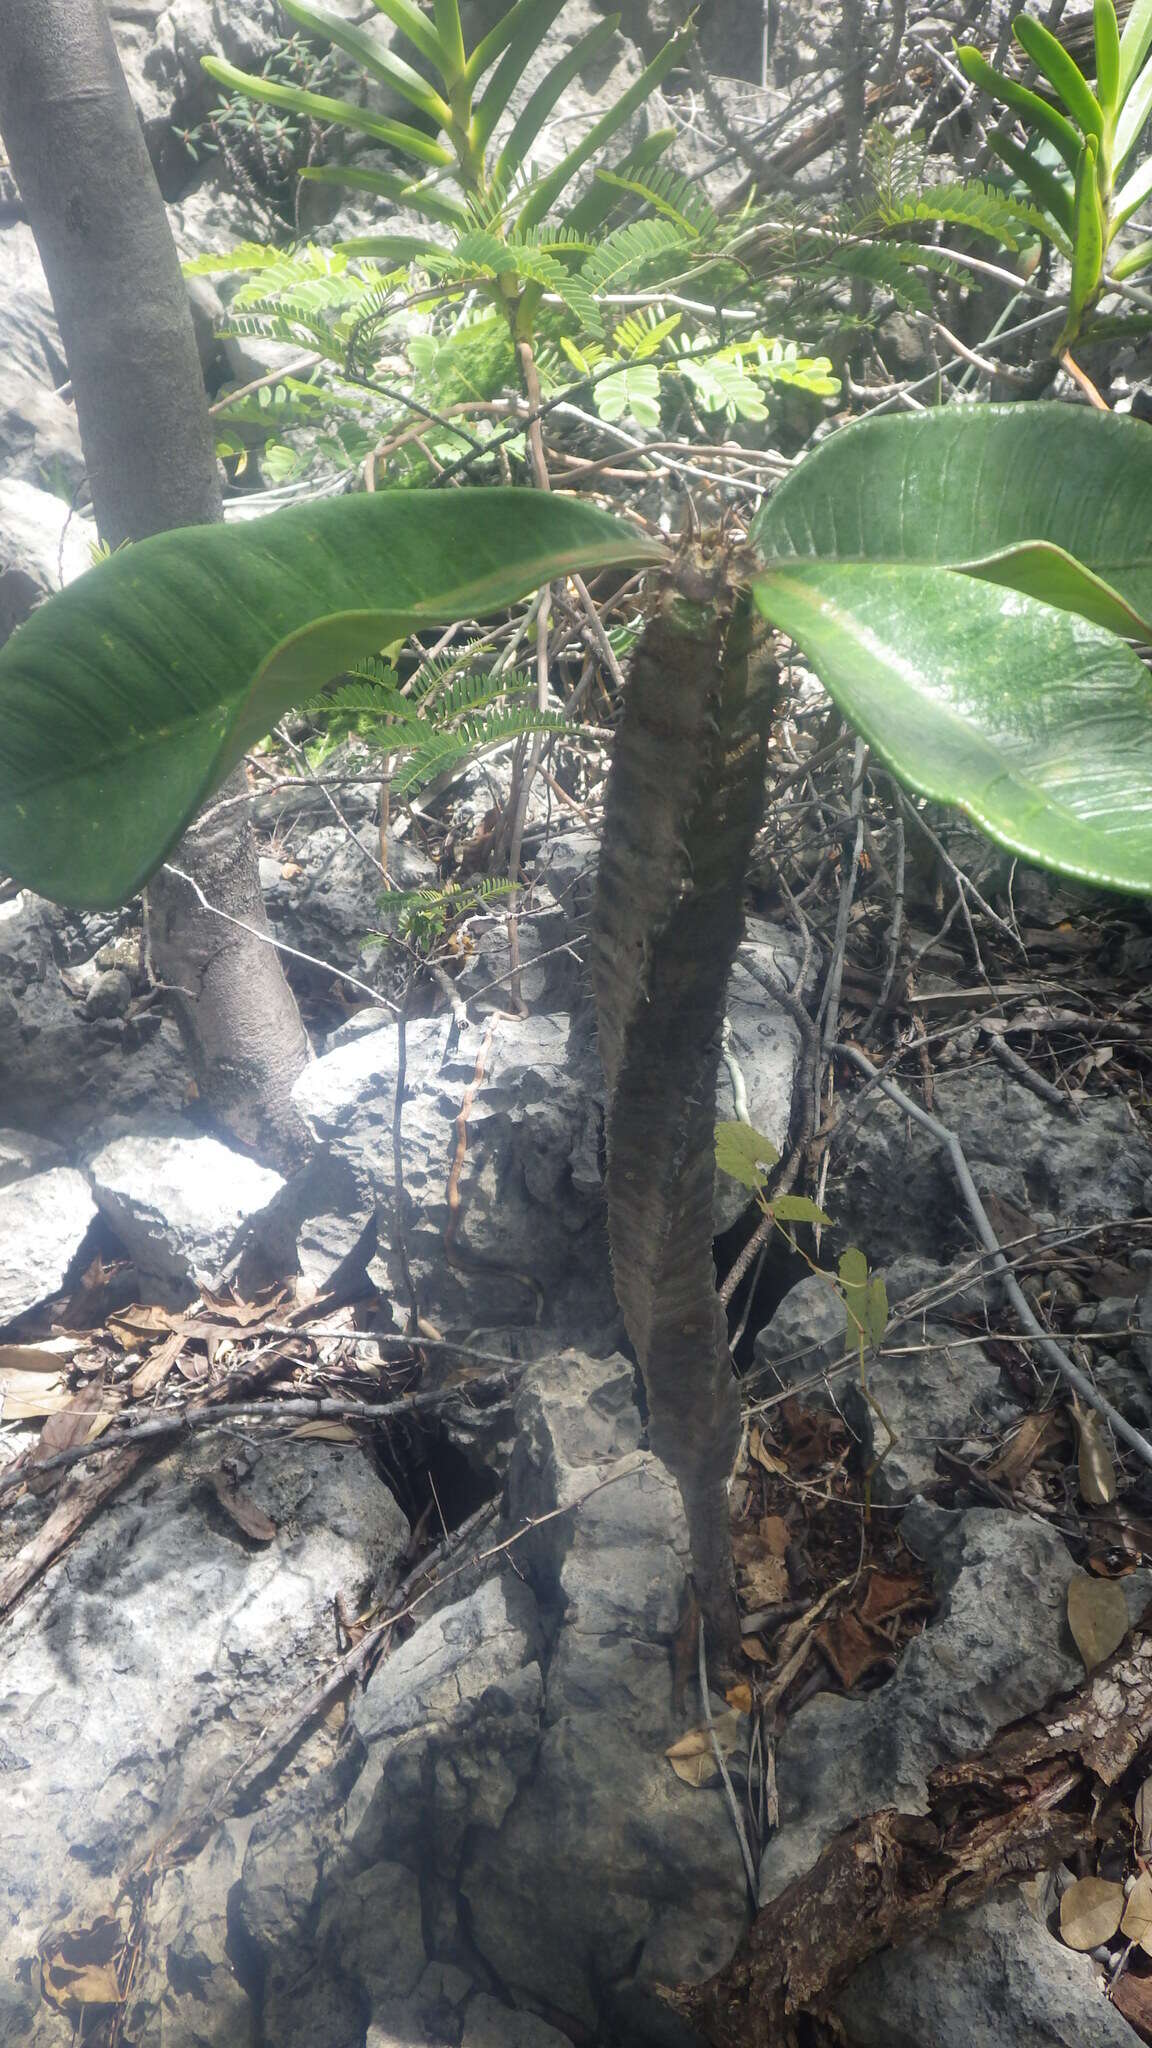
(797, 1209)
(744, 1152)
(866, 1300)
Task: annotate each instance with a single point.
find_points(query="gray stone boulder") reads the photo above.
(528, 1244)
(44, 1220)
(138, 1674)
(993, 1977)
(505, 1810)
(184, 1206)
(38, 541)
(68, 1076)
(976, 1667)
(932, 1388)
(893, 1191)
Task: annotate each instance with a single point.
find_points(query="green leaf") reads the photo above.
(797, 1209)
(593, 209)
(744, 1153)
(853, 1268)
(1035, 722)
(389, 185)
(876, 1310)
(529, 122)
(1062, 73)
(126, 698)
(390, 249)
(1046, 188)
(1131, 123)
(1133, 261)
(1132, 193)
(406, 16)
(343, 112)
(1033, 110)
(372, 57)
(1106, 34)
(1087, 239)
(526, 32)
(1135, 43)
(532, 17)
(1052, 499)
(634, 390)
(549, 189)
(451, 35)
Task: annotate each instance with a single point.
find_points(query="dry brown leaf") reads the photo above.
(1142, 1807)
(144, 1319)
(740, 1697)
(775, 1535)
(1137, 1921)
(763, 1455)
(764, 1582)
(754, 1650)
(692, 1756)
(1097, 1617)
(1033, 1436)
(28, 1396)
(327, 1432)
(246, 1515)
(891, 1593)
(1132, 1996)
(851, 1649)
(157, 1367)
(79, 1967)
(1097, 1473)
(1090, 1912)
(82, 1419)
(52, 1354)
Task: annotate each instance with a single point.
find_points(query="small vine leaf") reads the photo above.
(744, 1152)
(1097, 1617)
(853, 1268)
(876, 1310)
(1097, 1473)
(798, 1209)
(1137, 1921)
(1090, 1912)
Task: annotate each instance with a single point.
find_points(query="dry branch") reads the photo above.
(1023, 1805)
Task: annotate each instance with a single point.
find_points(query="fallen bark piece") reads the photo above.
(1022, 1806)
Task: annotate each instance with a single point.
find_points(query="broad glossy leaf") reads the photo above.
(1019, 493)
(1033, 721)
(126, 699)
(319, 108)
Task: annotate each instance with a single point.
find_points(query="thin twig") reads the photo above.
(733, 1804)
(1054, 1352)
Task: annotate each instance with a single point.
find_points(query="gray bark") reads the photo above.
(76, 147)
(682, 806)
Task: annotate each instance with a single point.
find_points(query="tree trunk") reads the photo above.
(77, 149)
(683, 803)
